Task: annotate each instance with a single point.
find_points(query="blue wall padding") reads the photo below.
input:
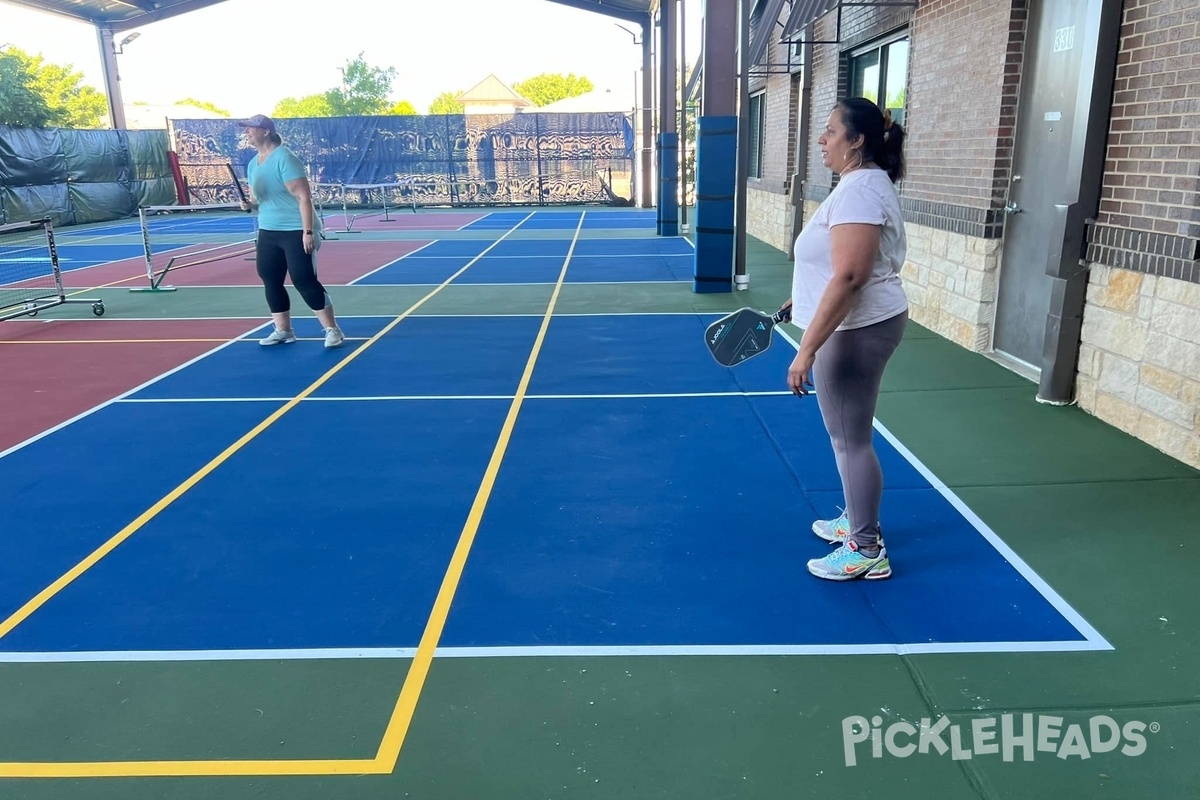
(716, 185)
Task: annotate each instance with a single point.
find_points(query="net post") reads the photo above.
(384, 195)
(346, 212)
(54, 265)
(155, 285)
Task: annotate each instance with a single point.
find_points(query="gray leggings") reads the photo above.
(847, 373)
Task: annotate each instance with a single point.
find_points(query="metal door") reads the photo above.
(1046, 127)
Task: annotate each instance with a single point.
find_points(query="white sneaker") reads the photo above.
(278, 337)
(334, 337)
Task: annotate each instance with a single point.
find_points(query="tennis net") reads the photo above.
(30, 277)
(177, 237)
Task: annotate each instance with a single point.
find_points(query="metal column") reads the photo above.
(647, 198)
(668, 138)
(112, 80)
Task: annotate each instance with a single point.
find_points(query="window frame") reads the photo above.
(881, 46)
(757, 113)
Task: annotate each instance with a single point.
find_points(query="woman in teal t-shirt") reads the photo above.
(287, 240)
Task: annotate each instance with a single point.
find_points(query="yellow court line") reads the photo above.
(190, 769)
(418, 671)
(98, 769)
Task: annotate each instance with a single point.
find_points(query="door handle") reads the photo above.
(1012, 208)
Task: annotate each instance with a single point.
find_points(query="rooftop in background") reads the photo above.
(153, 116)
(492, 92)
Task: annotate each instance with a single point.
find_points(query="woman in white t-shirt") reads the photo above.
(848, 297)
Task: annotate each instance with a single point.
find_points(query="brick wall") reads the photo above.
(768, 207)
(1149, 216)
(964, 76)
(1139, 360)
(826, 88)
(782, 98)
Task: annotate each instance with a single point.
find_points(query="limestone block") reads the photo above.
(1174, 354)
(1166, 407)
(1123, 290)
(1161, 380)
(1119, 377)
(1115, 332)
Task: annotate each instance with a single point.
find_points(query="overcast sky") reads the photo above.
(246, 55)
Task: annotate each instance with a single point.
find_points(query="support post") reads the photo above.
(112, 79)
(716, 151)
(668, 139)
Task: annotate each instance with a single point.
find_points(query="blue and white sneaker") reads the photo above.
(847, 563)
(834, 531)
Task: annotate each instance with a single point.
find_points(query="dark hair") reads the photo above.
(883, 140)
(274, 138)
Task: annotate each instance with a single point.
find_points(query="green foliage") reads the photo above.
(38, 94)
(191, 101)
(19, 104)
(363, 92)
(544, 89)
(402, 109)
(445, 103)
(364, 89)
(314, 105)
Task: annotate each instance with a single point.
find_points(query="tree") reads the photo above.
(313, 105)
(445, 103)
(363, 92)
(191, 101)
(19, 104)
(364, 89)
(67, 103)
(544, 89)
(402, 109)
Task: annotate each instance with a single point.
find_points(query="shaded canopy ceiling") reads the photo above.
(122, 15)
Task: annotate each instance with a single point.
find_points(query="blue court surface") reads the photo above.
(525, 261)
(648, 500)
(563, 221)
(70, 257)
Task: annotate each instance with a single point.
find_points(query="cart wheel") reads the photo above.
(98, 309)
(32, 313)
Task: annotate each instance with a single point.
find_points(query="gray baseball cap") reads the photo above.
(258, 121)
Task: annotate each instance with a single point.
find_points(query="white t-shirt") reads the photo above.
(862, 196)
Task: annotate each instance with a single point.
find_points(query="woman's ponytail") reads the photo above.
(883, 140)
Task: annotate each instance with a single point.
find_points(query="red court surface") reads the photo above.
(338, 262)
(53, 371)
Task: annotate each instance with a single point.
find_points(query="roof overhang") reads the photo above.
(805, 12)
(117, 15)
(122, 15)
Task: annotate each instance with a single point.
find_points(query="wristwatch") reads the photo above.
(308, 233)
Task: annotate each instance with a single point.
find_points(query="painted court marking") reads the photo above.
(387, 754)
(389, 749)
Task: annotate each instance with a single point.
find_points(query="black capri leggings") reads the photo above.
(279, 254)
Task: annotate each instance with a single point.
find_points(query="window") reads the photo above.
(757, 104)
(880, 74)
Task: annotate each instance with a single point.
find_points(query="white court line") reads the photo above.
(1060, 605)
(1092, 641)
(385, 266)
(531, 283)
(628, 651)
(400, 397)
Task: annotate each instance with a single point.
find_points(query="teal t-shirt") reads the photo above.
(278, 209)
